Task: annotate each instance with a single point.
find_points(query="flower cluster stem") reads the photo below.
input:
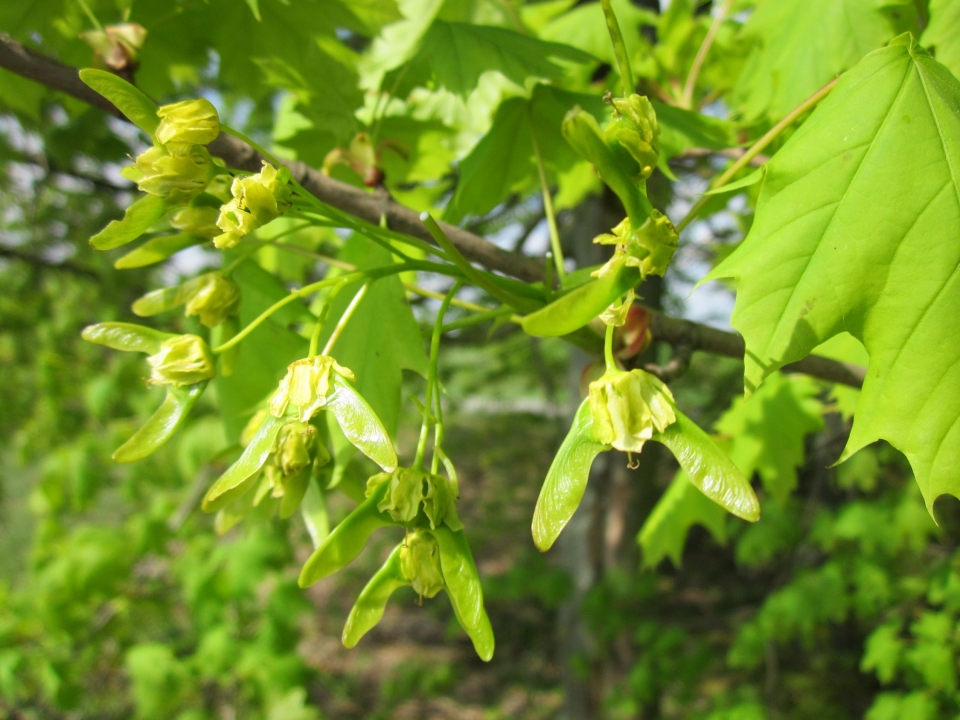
(345, 318)
(432, 389)
(619, 48)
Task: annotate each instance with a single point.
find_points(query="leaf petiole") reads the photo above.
(345, 318)
(757, 148)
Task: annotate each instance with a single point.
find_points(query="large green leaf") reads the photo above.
(382, 338)
(585, 27)
(504, 162)
(800, 46)
(767, 431)
(682, 506)
(857, 230)
(943, 33)
(453, 55)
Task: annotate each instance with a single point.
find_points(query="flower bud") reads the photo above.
(636, 129)
(178, 178)
(306, 386)
(213, 298)
(627, 407)
(648, 249)
(197, 220)
(361, 157)
(117, 45)
(186, 123)
(420, 563)
(409, 487)
(294, 447)
(257, 199)
(182, 360)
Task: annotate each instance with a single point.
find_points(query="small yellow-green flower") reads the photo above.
(182, 360)
(191, 122)
(408, 488)
(178, 178)
(635, 127)
(257, 199)
(648, 249)
(194, 220)
(627, 407)
(306, 386)
(213, 298)
(420, 563)
(616, 314)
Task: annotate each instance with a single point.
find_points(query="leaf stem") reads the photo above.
(89, 12)
(469, 271)
(301, 293)
(757, 148)
(259, 148)
(608, 358)
(345, 318)
(691, 83)
(259, 245)
(432, 375)
(547, 203)
(322, 316)
(619, 48)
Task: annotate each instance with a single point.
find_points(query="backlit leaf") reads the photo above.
(454, 55)
(857, 230)
(941, 34)
(682, 506)
(800, 46)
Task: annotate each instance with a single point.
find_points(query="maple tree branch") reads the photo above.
(690, 336)
(41, 262)
(372, 206)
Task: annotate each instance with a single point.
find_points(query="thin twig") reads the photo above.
(757, 148)
(691, 84)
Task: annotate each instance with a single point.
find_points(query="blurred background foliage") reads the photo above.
(118, 599)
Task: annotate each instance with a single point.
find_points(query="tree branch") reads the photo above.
(694, 336)
(37, 261)
(371, 206)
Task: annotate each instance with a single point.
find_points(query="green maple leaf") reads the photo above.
(503, 162)
(682, 506)
(857, 230)
(767, 431)
(453, 55)
(941, 34)
(585, 27)
(381, 340)
(800, 46)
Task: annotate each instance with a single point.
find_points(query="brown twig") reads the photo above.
(373, 206)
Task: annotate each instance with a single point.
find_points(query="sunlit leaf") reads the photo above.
(709, 469)
(566, 480)
(800, 46)
(462, 585)
(856, 230)
(941, 34)
(682, 506)
(137, 219)
(454, 55)
(369, 608)
(347, 539)
(162, 424)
